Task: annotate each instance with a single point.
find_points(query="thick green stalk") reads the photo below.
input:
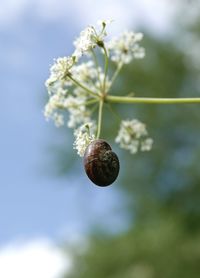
(129, 100)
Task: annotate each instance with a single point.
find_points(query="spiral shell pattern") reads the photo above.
(101, 163)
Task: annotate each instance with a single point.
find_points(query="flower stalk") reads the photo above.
(147, 100)
(100, 118)
(82, 86)
(105, 68)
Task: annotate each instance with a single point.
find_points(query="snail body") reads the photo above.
(101, 163)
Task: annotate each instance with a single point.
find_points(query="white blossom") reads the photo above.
(55, 102)
(58, 119)
(146, 145)
(85, 72)
(78, 113)
(59, 69)
(100, 81)
(75, 105)
(89, 38)
(125, 48)
(132, 136)
(84, 42)
(84, 135)
(91, 76)
(50, 112)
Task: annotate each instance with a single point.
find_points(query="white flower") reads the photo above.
(85, 72)
(84, 135)
(62, 100)
(78, 113)
(89, 38)
(55, 101)
(100, 81)
(90, 76)
(50, 112)
(84, 42)
(58, 119)
(132, 135)
(59, 69)
(146, 145)
(124, 48)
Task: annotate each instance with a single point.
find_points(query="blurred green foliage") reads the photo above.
(162, 186)
(156, 248)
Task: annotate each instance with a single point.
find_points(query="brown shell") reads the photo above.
(101, 163)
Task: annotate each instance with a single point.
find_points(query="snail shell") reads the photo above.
(101, 163)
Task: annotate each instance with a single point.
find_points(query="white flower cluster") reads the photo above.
(63, 95)
(125, 48)
(89, 38)
(132, 136)
(76, 87)
(78, 113)
(59, 70)
(51, 108)
(84, 136)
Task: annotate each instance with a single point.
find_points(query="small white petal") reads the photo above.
(84, 135)
(132, 135)
(125, 48)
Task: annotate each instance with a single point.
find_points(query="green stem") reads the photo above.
(105, 67)
(97, 66)
(83, 87)
(91, 101)
(116, 73)
(100, 118)
(129, 100)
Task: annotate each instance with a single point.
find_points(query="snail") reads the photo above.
(101, 163)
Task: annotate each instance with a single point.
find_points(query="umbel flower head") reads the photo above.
(133, 136)
(125, 48)
(77, 87)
